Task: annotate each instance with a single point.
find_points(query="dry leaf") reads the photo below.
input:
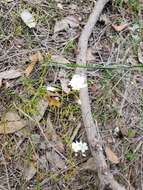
(29, 171)
(140, 52)
(120, 123)
(29, 69)
(89, 55)
(55, 159)
(28, 18)
(65, 23)
(43, 164)
(59, 59)
(60, 26)
(72, 21)
(52, 136)
(89, 165)
(53, 100)
(35, 58)
(41, 108)
(111, 155)
(10, 74)
(119, 28)
(11, 123)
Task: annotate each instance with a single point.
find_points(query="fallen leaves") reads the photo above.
(111, 155)
(15, 73)
(41, 108)
(35, 58)
(11, 123)
(10, 74)
(53, 99)
(53, 157)
(59, 59)
(64, 24)
(119, 28)
(53, 137)
(29, 171)
(121, 127)
(28, 19)
(89, 55)
(89, 165)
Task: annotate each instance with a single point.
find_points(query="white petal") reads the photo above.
(78, 101)
(84, 155)
(28, 19)
(77, 82)
(51, 88)
(83, 147)
(60, 6)
(76, 146)
(79, 146)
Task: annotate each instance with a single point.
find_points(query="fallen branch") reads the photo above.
(106, 178)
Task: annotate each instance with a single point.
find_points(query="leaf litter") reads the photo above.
(64, 24)
(41, 108)
(35, 58)
(28, 18)
(58, 89)
(111, 155)
(53, 137)
(59, 59)
(119, 28)
(11, 123)
(10, 74)
(29, 171)
(52, 156)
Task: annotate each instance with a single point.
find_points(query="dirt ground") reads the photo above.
(37, 126)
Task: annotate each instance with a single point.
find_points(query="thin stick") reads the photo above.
(106, 178)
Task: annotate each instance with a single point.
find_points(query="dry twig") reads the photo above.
(106, 178)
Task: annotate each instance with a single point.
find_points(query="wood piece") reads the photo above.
(106, 178)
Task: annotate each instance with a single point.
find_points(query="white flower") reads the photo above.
(28, 19)
(79, 146)
(51, 88)
(78, 101)
(116, 131)
(60, 6)
(77, 82)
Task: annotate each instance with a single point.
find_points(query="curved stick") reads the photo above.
(95, 142)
